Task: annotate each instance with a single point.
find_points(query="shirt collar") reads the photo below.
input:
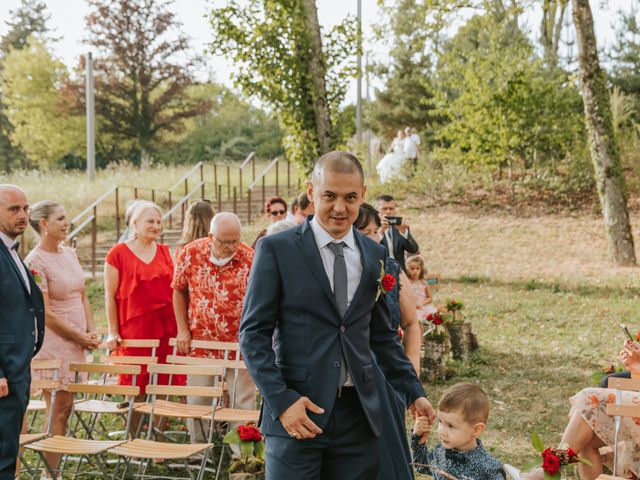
(7, 241)
(323, 238)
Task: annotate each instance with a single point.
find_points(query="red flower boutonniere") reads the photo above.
(553, 459)
(435, 318)
(36, 276)
(638, 336)
(386, 282)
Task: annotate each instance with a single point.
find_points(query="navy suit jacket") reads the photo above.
(293, 339)
(401, 245)
(18, 308)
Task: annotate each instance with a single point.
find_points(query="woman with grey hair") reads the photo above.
(69, 323)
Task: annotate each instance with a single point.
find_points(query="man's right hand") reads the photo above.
(4, 387)
(183, 342)
(296, 422)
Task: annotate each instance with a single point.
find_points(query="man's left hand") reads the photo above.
(4, 387)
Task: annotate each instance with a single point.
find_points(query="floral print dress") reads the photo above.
(591, 404)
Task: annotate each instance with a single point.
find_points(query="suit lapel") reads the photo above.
(307, 244)
(367, 267)
(7, 254)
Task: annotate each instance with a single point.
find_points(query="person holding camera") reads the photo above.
(395, 233)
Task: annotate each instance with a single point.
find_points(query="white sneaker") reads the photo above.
(512, 471)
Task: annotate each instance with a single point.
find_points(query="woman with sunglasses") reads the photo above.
(275, 209)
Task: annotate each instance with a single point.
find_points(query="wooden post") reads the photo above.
(135, 193)
(249, 206)
(170, 216)
(228, 181)
(235, 200)
(277, 177)
(253, 167)
(202, 179)
(240, 174)
(186, 187)
(219, 198)
(153, 195)
(215, 178)
(264, 198)
(289, 177)
(94, 240)
(117, 213)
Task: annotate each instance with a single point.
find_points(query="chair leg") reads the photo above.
(203, 466)
(220, 462)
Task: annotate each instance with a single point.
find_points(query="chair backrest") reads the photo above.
(213, 392)
(231, 350)
(433, 280)
(618, 409)
(52, 385)
(128, 391)
(132, 359)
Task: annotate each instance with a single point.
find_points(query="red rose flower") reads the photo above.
(388, 282)
(34, 272)
(571, 453)
(434, 318)
(249, 433)
(638, 336)
(550, 463)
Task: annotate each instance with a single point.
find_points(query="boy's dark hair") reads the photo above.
(468, 399)
(384, 198)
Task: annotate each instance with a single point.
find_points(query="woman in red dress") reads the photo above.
(138, 294)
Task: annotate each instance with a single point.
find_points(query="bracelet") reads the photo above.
(111, 337)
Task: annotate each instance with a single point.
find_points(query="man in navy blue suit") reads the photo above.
(313, 323)
(21, 326)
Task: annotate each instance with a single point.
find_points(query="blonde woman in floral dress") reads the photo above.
(69, 323)
(590, 427)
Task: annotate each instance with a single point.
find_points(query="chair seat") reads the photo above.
(234, 415)
(101, 406)
(36, 405)
(26, 438)
(164, 408)
(73, 446)
(140, 448)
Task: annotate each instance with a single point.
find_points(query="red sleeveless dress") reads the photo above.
(145, 306)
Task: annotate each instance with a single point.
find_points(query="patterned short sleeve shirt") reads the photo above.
(215, 293)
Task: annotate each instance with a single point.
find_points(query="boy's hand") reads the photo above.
(422, 427)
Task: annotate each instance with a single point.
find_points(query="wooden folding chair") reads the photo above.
(151, 448)
(231, 360)
(68, 445)
(89, 410)
(38, 386)
(433, 280)
(619, 410)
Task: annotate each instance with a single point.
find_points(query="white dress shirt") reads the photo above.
(9, 243)
(351, 257)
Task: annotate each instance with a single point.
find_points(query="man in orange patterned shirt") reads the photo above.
(209, 285)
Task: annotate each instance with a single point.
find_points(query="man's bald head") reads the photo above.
(14, 210)
(225, 221)
(225, 234)
(337, 162)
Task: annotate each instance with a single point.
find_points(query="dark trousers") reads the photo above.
(604, 383)
(347, 449)
(12, 408)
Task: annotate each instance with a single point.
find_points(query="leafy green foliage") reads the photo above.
(269, 43)
(43, 126)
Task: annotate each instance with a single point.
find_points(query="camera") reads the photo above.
(394, 220)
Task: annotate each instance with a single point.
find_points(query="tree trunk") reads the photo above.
(604, 149)
(318, 70)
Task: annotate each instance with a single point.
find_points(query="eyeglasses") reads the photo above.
(227, 243)
(275, 213)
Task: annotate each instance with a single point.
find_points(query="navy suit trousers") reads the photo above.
(12, 408)
(347, 449)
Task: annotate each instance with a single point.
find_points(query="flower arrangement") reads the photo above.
(436, 327)
(386, 282)
(453, 307)
(554, 459)
(249, 439)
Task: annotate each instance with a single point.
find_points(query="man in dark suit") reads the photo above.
(313, 323)
(397, 239)
(21, 326)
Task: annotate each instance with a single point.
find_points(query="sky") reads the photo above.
(67, 18)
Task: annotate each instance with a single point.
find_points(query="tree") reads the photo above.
(140, 86)
(553, 12)
(407, 97)
(30, 18)
(283, 60)
(43, 126)
(604, 149)
(626, 55)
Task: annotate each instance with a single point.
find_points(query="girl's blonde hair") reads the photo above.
(417, 259)
(197, 220)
